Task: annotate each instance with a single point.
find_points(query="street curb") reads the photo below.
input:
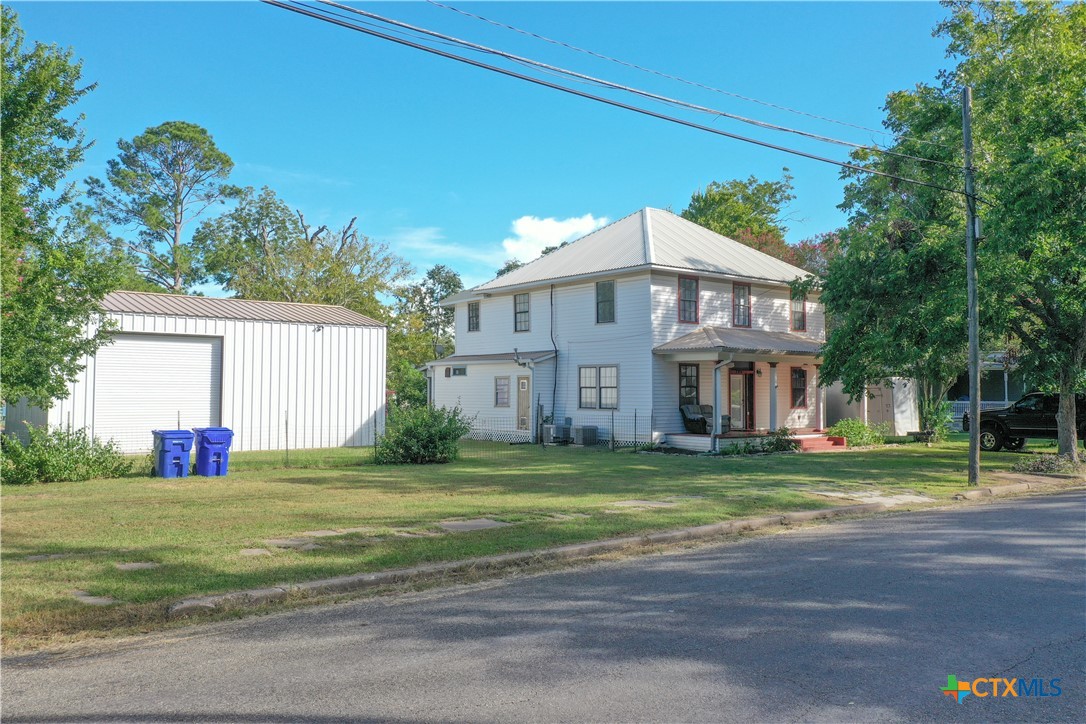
(577, 551)
(1013, 488)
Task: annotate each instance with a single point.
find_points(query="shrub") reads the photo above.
(940, 422)
(859, 434)
(743, 447)
(780, 440)
(58, 455)
(421, 435)
(1046, 464)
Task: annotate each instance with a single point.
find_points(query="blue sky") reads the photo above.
(451, 164)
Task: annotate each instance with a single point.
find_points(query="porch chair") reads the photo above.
(696, 418)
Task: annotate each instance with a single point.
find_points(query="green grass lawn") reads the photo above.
(195, 528)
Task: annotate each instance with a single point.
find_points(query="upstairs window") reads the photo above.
(521, 312)
(473, 316)
(799, 387)
(605, 302)
(688, 299)
(740, 305)
(799, 315)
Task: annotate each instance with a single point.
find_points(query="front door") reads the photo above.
(741, 399)
(524, 402)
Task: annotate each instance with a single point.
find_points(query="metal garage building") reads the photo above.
(279, 374)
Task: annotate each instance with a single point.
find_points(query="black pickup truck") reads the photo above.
(1032, 416)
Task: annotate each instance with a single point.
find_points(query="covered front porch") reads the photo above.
(753, 381)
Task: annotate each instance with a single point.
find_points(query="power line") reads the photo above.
(676, 78)
(608, 101)
(616, 86)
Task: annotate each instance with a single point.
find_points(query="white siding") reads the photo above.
(770, 308)
(283, 384)
(474, 393)
(580, 341)
(646, 308)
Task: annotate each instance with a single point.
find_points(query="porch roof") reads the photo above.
(742, 341)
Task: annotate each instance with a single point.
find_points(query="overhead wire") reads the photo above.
(297, 8)
(448, 39)
(679, 79)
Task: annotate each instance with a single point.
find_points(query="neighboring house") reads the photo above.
(279, 374)
(630, 322)
(1001, 383)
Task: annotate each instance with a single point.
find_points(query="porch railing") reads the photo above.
(958, 408)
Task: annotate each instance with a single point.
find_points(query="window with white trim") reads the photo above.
(688, 299)
(473, 316)
(799, 315)
(598, 387)
(501, 392)
(740, 305)
(521, 312)
(605, 302)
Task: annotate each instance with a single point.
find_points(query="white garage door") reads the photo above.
(145, 382)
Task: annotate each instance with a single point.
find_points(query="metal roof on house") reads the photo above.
(537, 356)
(746, 341)
(650, 238)
(178, 305)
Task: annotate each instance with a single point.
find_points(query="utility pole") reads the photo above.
(971, 291)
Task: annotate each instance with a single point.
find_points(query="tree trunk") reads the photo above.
(1066, 423)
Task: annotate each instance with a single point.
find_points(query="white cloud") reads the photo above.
(424, 246)
(428, 243)
(533, 234)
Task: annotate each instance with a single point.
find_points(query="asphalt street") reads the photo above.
(854, 621)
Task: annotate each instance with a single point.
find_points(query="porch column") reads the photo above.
(718, 400)
(820, 403)
(772, 395)
(1006, 387)
(863, 406)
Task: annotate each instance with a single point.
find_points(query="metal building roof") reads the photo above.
(177, 305)
(650, 238)
(746, 341)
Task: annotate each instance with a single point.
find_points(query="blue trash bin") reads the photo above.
(173, 453)
(213, 450)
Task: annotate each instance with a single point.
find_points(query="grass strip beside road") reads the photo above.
(195, 528)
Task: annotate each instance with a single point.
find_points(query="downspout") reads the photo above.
(718, 400)
(554, 388)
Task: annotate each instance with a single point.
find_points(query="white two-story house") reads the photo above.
(623, 326)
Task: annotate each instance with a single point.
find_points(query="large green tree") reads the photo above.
(423, 300)
(895, 293)
(752, 212)
(161, 181)
(743, 207)
(1027, 65)
(420, 329)
(262, 249)
(51, 274)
